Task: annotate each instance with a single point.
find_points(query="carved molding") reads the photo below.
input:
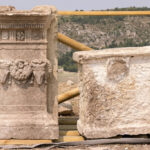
(22, 71)
(21, 26)
(37, 35)
(22, 35)
(39, 69)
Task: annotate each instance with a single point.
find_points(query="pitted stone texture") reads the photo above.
(115, 92)
(28, 73)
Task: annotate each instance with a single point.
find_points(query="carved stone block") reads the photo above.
(5, 35)
(114, 92)
(20, 35)
(28, 73)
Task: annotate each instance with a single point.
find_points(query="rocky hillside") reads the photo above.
(100, 32)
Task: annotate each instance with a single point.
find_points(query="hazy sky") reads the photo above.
(76, 4)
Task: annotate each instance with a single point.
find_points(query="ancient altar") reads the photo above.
(114, 92)
(28, 73)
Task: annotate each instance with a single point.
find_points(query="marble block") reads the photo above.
(28, 73)
(114, 92)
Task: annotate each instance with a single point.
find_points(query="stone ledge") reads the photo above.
(84, 56)
(96, 132)
(30, 132)
(36, 11)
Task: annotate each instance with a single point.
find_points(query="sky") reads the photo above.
(76, 4)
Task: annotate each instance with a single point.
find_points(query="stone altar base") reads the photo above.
(115, 92)
(28, 73)
(22, 127)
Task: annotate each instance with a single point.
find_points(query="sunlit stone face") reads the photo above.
(114, 92)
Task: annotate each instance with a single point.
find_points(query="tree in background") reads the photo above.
(66, 61)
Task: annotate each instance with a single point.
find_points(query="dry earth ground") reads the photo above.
(63, 77)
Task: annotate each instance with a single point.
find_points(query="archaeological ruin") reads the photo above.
(114, 92)
(28, 73)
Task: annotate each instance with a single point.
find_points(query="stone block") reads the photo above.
(28, 73)
(114, 92)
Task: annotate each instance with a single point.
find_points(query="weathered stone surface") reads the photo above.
(65, 108)
(115, 92)
(28, 78)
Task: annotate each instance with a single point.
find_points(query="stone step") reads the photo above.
(69, 133)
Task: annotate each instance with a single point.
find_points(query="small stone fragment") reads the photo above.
(65, 108)
(69, 82)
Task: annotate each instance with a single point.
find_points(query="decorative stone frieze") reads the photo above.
(20, 35)
(114, 92)
(28, 73)
(4, 71)
(21, 70)
(39, 70)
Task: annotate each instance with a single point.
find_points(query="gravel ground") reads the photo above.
(63, 77)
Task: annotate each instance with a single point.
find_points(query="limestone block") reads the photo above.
(28, 78)
(115, 92)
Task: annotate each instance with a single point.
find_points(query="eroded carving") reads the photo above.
(22, 71)
(37, 35)
(20, 35)
(98, 98)
(4, 70)
(117, 68)
(39, 69)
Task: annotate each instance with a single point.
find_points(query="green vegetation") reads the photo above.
(65, 60)
(131, 9)
(116, 31)
(127, 43)
(89, 19)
